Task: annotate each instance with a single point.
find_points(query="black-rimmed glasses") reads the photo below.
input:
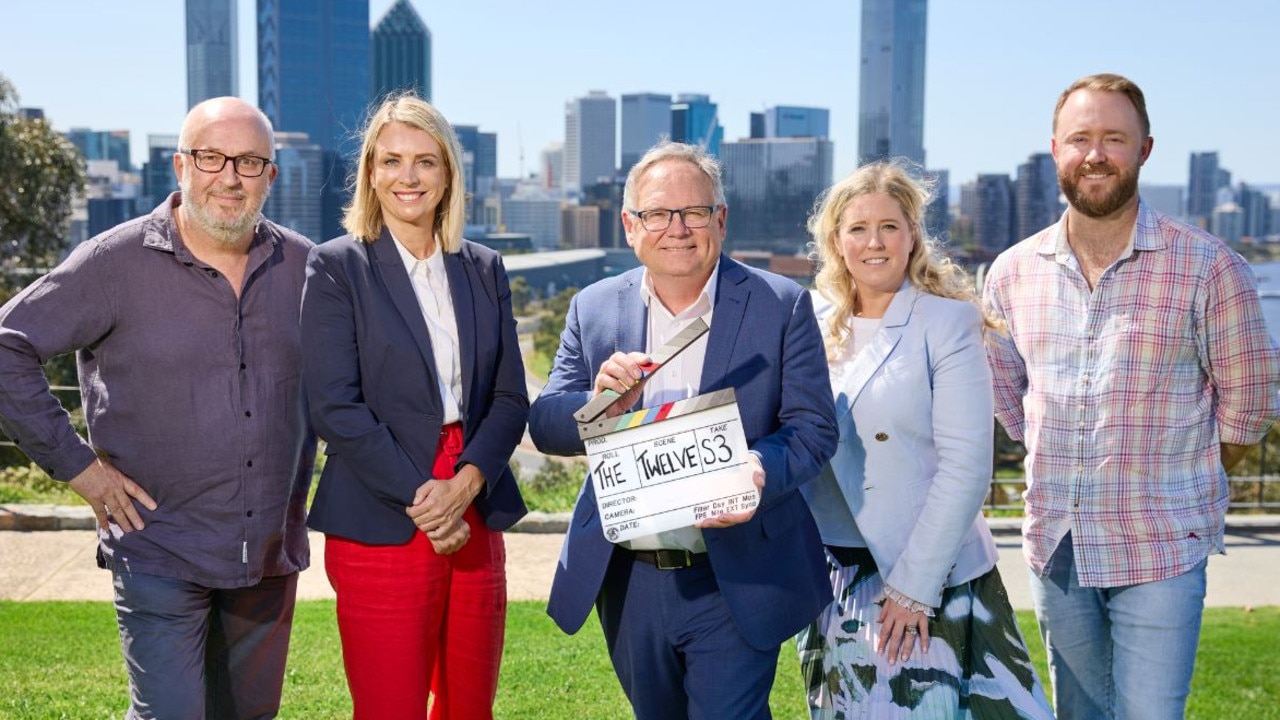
(212, 161)
(659, 219)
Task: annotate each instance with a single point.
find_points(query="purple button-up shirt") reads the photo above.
(192, 392)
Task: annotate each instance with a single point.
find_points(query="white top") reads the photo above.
(678, 379)
(431, 286)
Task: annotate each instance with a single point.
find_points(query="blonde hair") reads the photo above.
(363, 216)
(928, 269)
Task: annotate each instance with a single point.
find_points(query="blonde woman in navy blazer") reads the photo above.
(414, 379)
(920, 625)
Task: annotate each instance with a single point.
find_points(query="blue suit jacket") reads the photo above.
(370, 381)
(914, 460)
(765, 343)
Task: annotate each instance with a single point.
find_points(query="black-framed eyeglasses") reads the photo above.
(212, 161)
(659, 219)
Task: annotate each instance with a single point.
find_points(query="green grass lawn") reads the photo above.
(62, 660)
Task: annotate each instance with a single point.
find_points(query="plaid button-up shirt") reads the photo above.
(1122, 394)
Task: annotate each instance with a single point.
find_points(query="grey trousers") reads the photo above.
(197, 653)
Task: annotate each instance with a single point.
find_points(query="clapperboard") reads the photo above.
(669, 466)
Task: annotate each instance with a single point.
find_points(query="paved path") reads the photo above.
(59, 565)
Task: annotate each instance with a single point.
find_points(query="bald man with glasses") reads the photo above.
(198, 457)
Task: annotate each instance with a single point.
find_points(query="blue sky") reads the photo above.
(994, 68)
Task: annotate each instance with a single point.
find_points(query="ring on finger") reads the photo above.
(912, 630)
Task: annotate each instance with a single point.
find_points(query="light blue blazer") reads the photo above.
(914, 459)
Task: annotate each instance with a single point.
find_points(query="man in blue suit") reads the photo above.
(694, 617)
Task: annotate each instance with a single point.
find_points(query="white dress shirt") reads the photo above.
(431, 286)
(678, 379)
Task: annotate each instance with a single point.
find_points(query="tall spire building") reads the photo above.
(891, 80)
(401, 45)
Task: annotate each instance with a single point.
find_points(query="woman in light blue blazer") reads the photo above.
(921, 626)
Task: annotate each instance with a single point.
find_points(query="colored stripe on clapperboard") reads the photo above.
(673, 409)
(598, 405)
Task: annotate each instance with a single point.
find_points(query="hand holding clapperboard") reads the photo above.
(667, 467)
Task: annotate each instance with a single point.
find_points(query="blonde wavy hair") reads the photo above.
(928, 269)
(363, 216)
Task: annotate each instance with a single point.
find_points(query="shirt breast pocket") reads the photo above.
(1151, 350)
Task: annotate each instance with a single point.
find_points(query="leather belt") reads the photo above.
(670, 559)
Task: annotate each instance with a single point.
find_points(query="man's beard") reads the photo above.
(1126, 186)
(225, 230)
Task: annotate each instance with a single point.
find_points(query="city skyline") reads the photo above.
(992, 73)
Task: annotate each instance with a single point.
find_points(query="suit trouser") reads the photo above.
(676, 649)
(414, 623)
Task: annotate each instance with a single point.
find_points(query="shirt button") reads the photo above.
(248, 413)
(249, 464)
(249, 514)
(882, 436)
(242, 366)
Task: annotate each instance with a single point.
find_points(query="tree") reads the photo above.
(40, 173)
(521, 295)
(546, 339)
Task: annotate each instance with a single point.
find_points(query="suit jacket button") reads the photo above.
(882, 436)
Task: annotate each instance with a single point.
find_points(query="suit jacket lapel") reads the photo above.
(461, 290)
(633, 320)
(726, 323)
(886, 339)
(390, 268)
(633, 317)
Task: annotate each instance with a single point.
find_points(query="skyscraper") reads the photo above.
(789, 121)
(157, 172)
(213, 69)
(1202, 187)
(1036, 195)
(770, 185)
(102, 145)
(590, 140)
(401, 45)
(993, 213)
(937, 216)
(696, 120)
(891, 80)
(480, 169)
(646, 119)
(294, 200)
(313, 77)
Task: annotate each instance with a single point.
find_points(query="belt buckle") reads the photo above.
(682, 555)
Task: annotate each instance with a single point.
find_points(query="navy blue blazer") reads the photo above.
(765, 343)
(370, 382)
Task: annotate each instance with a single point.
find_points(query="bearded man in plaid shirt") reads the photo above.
(1136, 368)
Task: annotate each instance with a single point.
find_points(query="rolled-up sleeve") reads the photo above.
(61, 312)
(1241, 354)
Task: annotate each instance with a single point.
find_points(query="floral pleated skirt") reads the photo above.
(977, 666)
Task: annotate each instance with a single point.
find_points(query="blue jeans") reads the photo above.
(1122, 652)
(200, 653)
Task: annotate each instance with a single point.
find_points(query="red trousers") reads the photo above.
(413, 622)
